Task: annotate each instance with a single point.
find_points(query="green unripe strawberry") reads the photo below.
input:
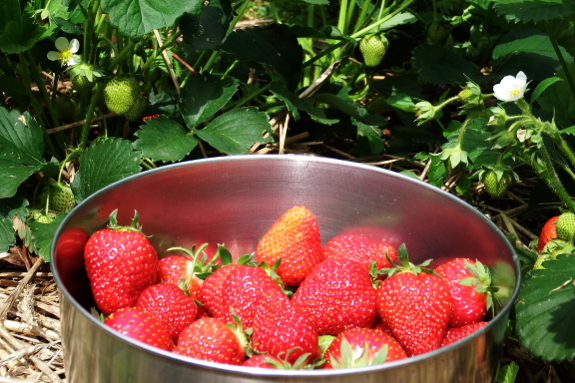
(494, 185)
(377, 105)
(565, 226)
(438, 33)
(64, 108)
(82, 85)
(44, 218)
(449, 42)
(84, 77)
(373, 49)
(153, 74)
(464, 95)
(121, 93)
(137, 109)
(61, 197)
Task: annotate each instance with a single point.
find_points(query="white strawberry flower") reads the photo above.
(66, 50)
(511, 88)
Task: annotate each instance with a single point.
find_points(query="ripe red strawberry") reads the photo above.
(457, 333)
(211, 293)
(120, 263)
(415, 305)
(213, 340)
(242, 290)
(140, 325)
(381, 326)
(361, 249)
(185, 270)
(179, 270)
(548, 233)
(361, 347)
(337, 295)
(469, 284)
(279, 327)
(263, 361)
(295, 240)
(170, 305)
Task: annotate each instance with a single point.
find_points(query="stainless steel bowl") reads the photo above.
(234, 200)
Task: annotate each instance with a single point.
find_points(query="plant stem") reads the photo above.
(98, 90)
(362, 15)
(341, 22)
(40, 84)
(365, 30)
(553, 179)
(248, 97)
(119, 58)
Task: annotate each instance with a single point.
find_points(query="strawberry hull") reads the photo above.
(234, 201)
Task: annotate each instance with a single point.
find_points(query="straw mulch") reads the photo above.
(30, 346)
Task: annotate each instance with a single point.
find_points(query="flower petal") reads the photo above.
(62, 43)
(74, 59)
(74, 45)
(521, 77)
(53, 56)
(508, 81)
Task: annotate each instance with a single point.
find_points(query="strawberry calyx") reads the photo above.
(241, 333)
(350, 357)
(134, 226)
(200, 267)
(281, 361)
(481, 279)
(406, 265)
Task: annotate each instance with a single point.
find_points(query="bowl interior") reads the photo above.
(234, 200)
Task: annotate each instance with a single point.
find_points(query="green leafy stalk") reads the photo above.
(553, 179)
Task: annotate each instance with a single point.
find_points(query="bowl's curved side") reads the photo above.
(234, 200)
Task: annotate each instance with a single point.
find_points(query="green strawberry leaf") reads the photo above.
(542, 86)
(135, 18)
(7, 237)
(369, 140)
(102, 163)
(295, 104)
(507, 374)
(558, 101)
(339, 98)
(475, 142)
(206, 30)
(527, 50)
(204, 96)
(545, 312)
(21, 150)
(236, 131)
(18, 31)
(534, 10)
(43, 233)
(432, 60)
(162, 139)
(10, 207)
(271, 46)
(401, 101)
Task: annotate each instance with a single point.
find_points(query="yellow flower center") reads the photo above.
(65, 55)
(514, 92)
